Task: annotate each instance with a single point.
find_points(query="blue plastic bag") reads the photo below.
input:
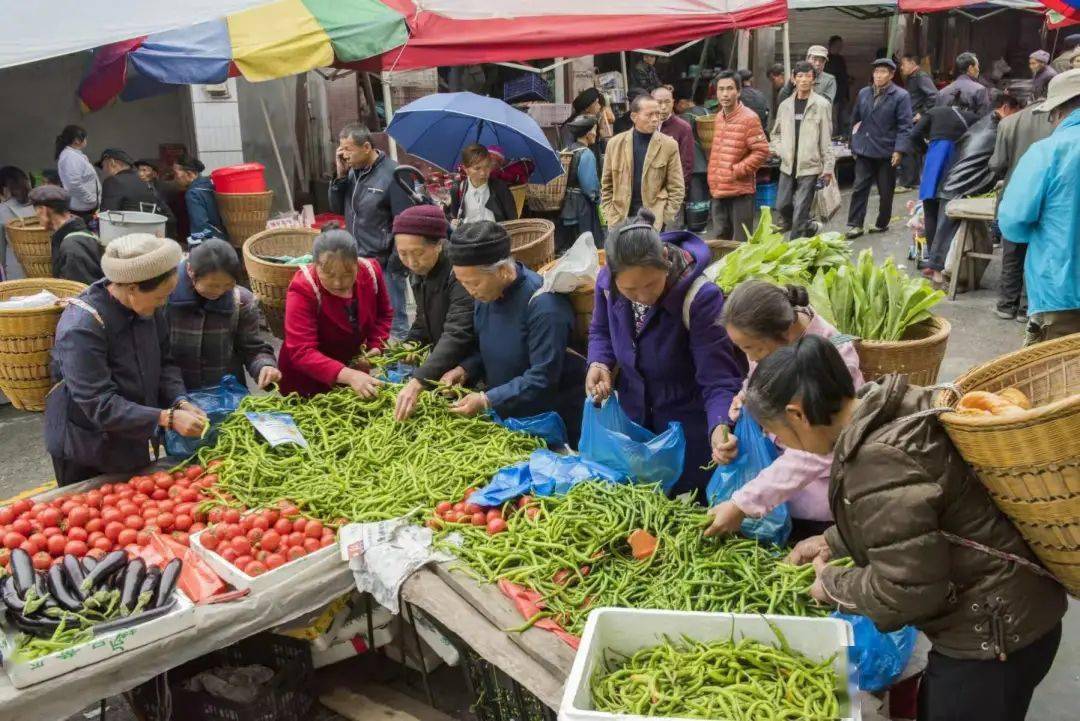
(218, 402)
(756, 452)
(396, 373)
(548, 426)
(877, 659)
(610, 438)
(544, 474)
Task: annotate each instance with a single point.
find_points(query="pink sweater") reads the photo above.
(798, 477)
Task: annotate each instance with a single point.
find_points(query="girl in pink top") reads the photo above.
(759, 318)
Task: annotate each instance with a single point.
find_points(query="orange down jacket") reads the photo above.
(739, 148)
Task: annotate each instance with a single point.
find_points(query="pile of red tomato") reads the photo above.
(261, 541)
(113, 516)
(466, 513)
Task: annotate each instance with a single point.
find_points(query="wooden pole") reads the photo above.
(277, 154)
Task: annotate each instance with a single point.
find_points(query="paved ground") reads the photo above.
(976, 336)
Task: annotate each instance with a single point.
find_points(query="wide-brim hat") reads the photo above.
(1063, 87)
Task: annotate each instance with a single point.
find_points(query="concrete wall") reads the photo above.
(39, 99)
(280, 98)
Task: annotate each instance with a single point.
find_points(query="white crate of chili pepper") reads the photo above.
(613, 635)
(276, 550)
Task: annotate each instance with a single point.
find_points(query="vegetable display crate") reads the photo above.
(109, 644)
(238, 579)
(626, 631)
(285, 697)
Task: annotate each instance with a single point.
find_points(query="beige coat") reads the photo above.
(662, 188)
(815, 137)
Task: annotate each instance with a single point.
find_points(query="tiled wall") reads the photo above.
(217, 127)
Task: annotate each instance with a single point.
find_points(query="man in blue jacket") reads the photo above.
(880, 135)
(1041, 207)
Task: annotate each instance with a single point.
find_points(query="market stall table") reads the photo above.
(972, 247)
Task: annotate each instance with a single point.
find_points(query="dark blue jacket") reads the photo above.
(203, 216)
(523, 353)
(369, 199)
(884, 123)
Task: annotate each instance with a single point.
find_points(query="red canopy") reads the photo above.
(466, 32)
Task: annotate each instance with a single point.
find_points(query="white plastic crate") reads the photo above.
(238, 579)
(626, 630)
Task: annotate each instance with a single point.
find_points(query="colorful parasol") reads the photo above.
(1062, 12)
(261, 43)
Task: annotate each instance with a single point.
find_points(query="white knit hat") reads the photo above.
(139, 256)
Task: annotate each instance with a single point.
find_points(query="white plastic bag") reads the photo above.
(42, 299)
(578, 266)
(826, 202)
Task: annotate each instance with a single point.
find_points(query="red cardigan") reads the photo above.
(319, 340)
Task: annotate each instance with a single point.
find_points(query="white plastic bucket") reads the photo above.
(115, 223)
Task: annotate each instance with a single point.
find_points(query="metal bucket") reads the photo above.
(113, 224)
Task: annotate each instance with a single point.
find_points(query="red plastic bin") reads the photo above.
(243, 178)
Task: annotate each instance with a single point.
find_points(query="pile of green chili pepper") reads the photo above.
(360, 464)
(727, 680)
(411, 353)
(574, 553)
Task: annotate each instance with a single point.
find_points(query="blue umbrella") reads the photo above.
(437, 128)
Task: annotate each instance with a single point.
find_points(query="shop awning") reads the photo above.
(936, 6)
(467, 32)
(1063, 12)
(820, 4)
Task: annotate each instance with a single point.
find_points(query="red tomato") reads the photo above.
(271, 515)
(260, 523)
(125, 493)
(283, 526)
(94, 499)
(196, 527)
(295, 539)
(77, 534)
(42, 560)
(255, 568)
(216, 514)
(151, 514)
(51, 531)
(231, 515)
(176, 490)
(183, 522)
(109, 499)
(166, 505)
(6, 515)
(472, 508)
(135, 522)
(492, 515)
(229, 555)
(311, 545)
(76, 548)
(40, 539)
(95, 524)
(113, 529)
(295, 552)
(140, 499)
(300, 524)
(30, 547)
(443, 506)
(532, 512)
(55, 545)
(162, 479)
(66, 506)
(181, 537)
(240, 544)
(261, 555)
(246, 524)
(313, 529)
(288, 510)
(165, 520)
(327, 541)
(111, 514)
(478, 519)
(108, 487)
(271, 540)
(453, 516)
(104, 544)
(79, 516)
(5, 557)
(193, 472)
(254, 536)
(213, 464)
(159, 494)
(94, 536)
(146, 486)
(241, 562)
(524, 501)
(274, 560)
(127, 509)
(96, 553)
(21, 506)
(496, 525)
(209, 479)
(13, 540)
(142, 538)
(50, 517)
(189, 495)
(127, 537)
(22, 526)
(459, 507)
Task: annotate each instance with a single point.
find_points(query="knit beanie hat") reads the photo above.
(482, 242)
(139, 256)
(1041, 56)
(427, 221)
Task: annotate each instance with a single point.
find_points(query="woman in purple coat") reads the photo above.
(655, 329)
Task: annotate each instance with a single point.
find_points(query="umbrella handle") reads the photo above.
(408, 178)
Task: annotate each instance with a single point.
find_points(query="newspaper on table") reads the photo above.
(382, 555)
(277, 428)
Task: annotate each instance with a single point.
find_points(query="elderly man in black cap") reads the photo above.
(1041, 73)
(76, 253)
(522, 335)
(122, 188)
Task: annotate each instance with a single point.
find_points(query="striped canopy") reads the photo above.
(269, 41)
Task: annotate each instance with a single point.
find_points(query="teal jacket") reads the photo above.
(1041, 207)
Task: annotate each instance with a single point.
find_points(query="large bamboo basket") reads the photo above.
(26, 341)
(547, 198)
(581, 299)
(269, 280)
(32, 244)
(532, 241)
(918, 355)
(719, 247)
(705, 125)
(244, 214)
(1030, 463)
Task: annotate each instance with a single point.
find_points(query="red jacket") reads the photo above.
(739, 148)
(319, 340)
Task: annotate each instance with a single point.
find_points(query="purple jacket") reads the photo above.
(670, 373)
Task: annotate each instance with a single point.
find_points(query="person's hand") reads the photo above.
(736, 407)
(598, 382)
(340, 164)
(363, 385)
(187, 423)
(406, 399)
(454, 223)
(896, 158)
(915, 118)
(453, 377)
(817, 592)
(268, 375)
(471, 405)
(828, 178)
(807, 550)
(726, 518)
(725, 446)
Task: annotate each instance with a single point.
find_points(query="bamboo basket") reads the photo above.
(26, 341)
(532, 241)
(705, 124)
(1030, 463)
(918, 355)
(581, 299)
(719, 247)
(547, 198)
(520, 192)
(269, 280)
(32, 244)
(244, 214)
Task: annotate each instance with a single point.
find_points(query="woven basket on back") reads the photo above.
(32, 245)
(705, 124)
(1030, 463)
(26, 339)
(269, 280)
(581, 299)
(718, 248)
(532, 241)
(918, 355)
(520, 192)
(547, 198)
(244, 214)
